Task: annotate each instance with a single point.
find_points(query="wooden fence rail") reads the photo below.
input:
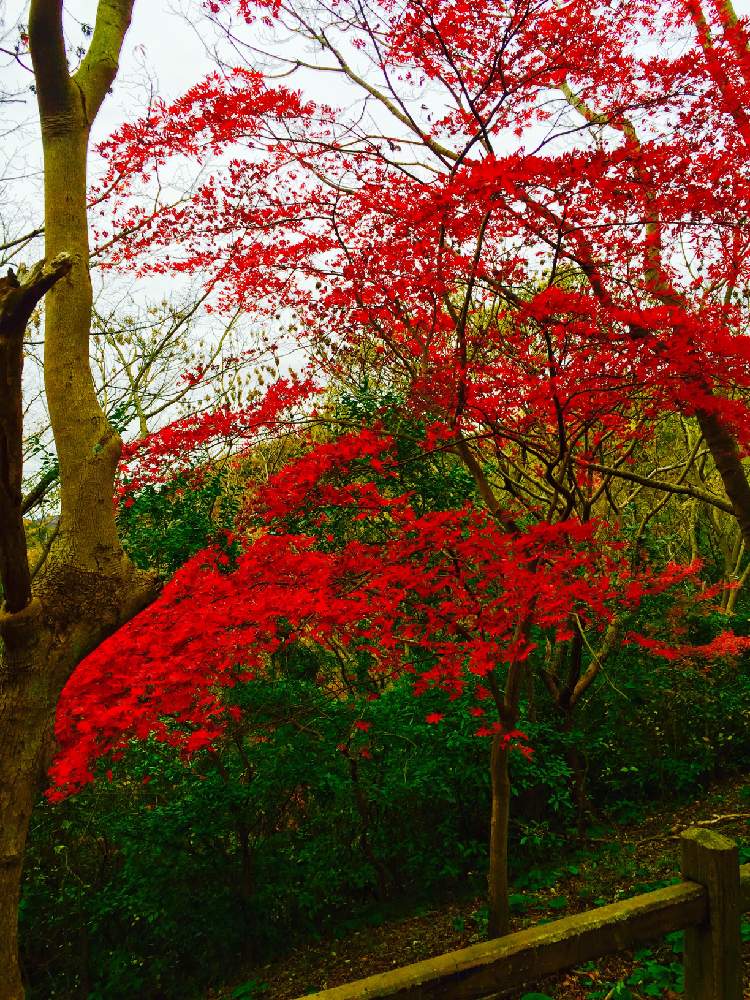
(707, 906)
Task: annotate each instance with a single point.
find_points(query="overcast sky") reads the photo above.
(163, 52)
(160, 44)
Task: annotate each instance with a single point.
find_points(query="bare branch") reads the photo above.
(657, 484)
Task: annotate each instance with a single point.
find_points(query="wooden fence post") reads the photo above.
(713, 960)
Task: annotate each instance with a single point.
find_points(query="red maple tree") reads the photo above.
(530, 217)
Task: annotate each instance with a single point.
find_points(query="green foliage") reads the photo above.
(144, 884)
(652, 977)
(436, 480)
(282, 834)
(662, 726)
(299, 824)
(616, 991)
(165, 525)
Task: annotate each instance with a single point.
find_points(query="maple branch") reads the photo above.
(596, 665)
(578, 104)
(482, 484)
(653, 269)
(604, 488)
(443, 152)
(551, 674)
(517, 487)
(142, 223)
(721, 441)
(731, 98)
(464, 317)
(511, 701)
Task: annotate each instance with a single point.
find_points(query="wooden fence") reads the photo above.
(707, 906)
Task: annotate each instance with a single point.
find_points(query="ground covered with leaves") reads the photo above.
(612, 863)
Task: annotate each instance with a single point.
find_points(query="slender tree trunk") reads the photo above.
(578, 766)
(508, 707)
(507, 704)
(383, 877)
(499, 908)
(726, 455)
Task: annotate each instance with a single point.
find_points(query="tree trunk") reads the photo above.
(35, 663)
(725, 452)
(499, 908)
(25, 716)
(579, 769)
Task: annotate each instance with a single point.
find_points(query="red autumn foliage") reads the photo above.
(439, 596)
(539, 237)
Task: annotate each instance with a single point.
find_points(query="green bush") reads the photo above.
(163, 526)
(663, 729)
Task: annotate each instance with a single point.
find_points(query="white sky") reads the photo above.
(163, 53)
(160, 44)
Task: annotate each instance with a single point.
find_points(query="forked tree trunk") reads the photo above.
(87, 588)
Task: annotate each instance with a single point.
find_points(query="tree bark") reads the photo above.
(24, 721)
(722, 444)
(17, 302)
(498, 905)
(508, 708)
